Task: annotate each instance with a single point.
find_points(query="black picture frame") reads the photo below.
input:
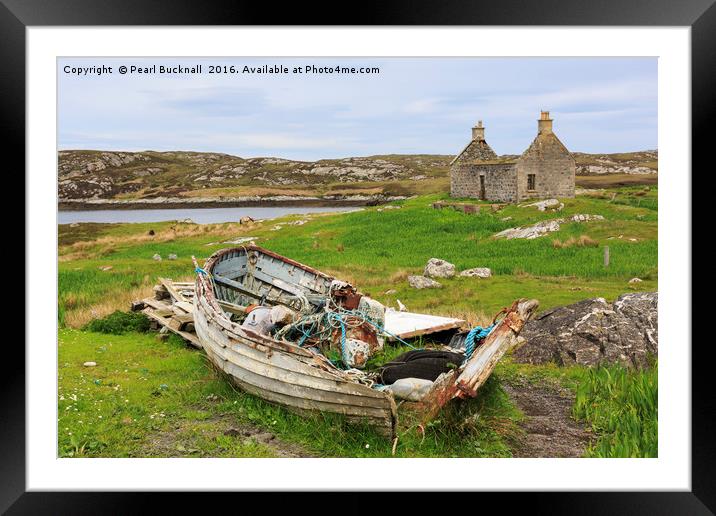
(700, 15)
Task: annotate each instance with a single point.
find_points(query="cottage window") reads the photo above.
(531, 182)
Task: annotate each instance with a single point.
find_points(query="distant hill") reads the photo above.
(86, 175)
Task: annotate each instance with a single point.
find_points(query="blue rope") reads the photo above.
(476, 334)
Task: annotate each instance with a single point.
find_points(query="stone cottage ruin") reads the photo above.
(545, 169)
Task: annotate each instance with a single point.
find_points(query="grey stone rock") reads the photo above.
(172, 256)
(437, 268)
(157, 257)
(530, 232)
(593, 332)
(547, 203)
(585, 217)
(422, 282)
(480, 272)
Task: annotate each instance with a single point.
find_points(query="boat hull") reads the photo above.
(283, 373)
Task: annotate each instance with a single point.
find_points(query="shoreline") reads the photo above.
(172, 204)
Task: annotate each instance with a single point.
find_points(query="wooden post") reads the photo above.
(606, 256)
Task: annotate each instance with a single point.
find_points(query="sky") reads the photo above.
(413, 106)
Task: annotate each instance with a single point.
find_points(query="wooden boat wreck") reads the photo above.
(291, 366)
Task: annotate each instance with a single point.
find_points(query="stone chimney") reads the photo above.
(478, 132)
(544, 124)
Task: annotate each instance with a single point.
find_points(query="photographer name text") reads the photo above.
(219, 69)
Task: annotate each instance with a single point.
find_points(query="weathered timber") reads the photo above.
(465, 381)
(185, 305)
(164, 322)
(172, 291)
(160, 292)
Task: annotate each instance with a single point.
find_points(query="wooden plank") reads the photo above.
(189, 337)
(174, 324)
(466, 380)
(237, 286)
(160, 292)
(185, 305)
(231, 307)
(156, 304)
(172, 291)
(184, 318)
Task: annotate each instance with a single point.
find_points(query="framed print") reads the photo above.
(350, 257)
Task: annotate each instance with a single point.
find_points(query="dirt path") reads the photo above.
(180, 440)
(549, 428)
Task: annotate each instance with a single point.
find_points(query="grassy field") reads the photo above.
(142, 390)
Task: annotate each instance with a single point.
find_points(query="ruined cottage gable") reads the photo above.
(546, 145)
(477, 149)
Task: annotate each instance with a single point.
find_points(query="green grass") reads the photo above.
(150, 398)
(378, 249)
(621, 406)
(375, 250)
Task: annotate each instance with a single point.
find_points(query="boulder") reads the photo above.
(437, 268)
(172, 256)
(593, 332)
(157, 257)
(480, 272)
(634, 281)
(530, 232)
(422, 282)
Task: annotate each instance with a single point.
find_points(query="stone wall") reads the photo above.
(500, 181)
(553, 166)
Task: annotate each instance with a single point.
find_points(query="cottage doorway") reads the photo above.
(482, 188)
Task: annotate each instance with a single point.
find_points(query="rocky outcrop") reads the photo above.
(643, 162)
(530, 232)
(437, 268)
(593, 332)
(544, 227)
(105, 175)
